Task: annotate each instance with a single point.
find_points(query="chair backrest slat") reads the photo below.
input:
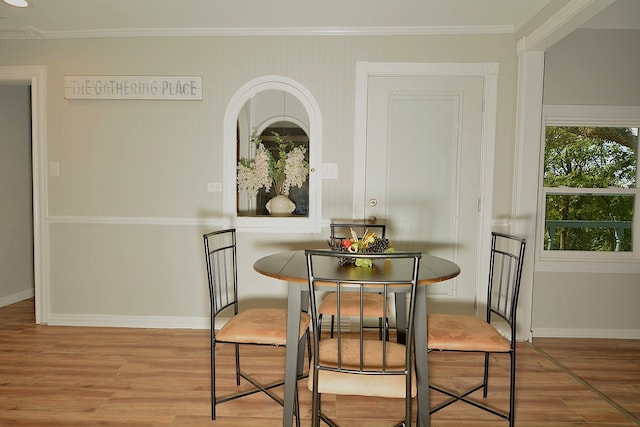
(221, 262)
(505, 273)
(394, 272)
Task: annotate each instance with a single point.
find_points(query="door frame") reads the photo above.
(489, 72)
(35, 76)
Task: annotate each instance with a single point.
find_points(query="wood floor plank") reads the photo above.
(76, 376)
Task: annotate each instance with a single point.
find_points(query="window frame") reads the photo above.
(587, 261)
(266, 224)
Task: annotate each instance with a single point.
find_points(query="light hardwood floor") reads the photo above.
(76, 376)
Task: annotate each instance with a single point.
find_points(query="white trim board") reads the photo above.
(134, 220)
(585, 333)
(36, 33)
(17, 297)
(109, 321)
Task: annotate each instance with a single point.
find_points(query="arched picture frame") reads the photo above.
(237, 127)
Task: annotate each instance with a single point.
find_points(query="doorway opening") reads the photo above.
(35, 77)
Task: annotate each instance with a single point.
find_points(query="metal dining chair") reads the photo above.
(355, 363)
(256, 326)
(460, 333)
(340, 231)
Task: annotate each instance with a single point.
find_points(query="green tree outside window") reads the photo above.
(590, 177)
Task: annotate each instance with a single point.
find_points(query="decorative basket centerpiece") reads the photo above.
(370, 243)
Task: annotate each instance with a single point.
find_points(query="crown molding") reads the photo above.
(567, 19)
(35, 33)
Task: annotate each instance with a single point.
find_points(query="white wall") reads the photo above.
(128, 210)
(590, 67)
(16, 226)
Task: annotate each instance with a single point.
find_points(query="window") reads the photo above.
(257, 109)
(590, 184)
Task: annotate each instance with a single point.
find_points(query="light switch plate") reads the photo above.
(329, 171)
(54, 168)
(214, 187)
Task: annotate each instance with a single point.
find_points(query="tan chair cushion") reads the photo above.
(392, 385)
(464, 333)
(350, 304)
(260, 326)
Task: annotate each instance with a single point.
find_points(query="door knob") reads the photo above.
(373, 202)
(372, 219)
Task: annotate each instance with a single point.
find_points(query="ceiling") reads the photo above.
(102, 18)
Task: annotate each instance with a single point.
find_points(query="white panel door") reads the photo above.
(423, 171)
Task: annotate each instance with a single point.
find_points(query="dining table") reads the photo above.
(291, 266)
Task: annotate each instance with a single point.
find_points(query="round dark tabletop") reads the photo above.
(292, 267)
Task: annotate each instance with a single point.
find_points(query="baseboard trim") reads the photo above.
(17, 297)
(112, 321)
(586, 333)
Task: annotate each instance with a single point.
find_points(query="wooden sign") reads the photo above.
(133, 87)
